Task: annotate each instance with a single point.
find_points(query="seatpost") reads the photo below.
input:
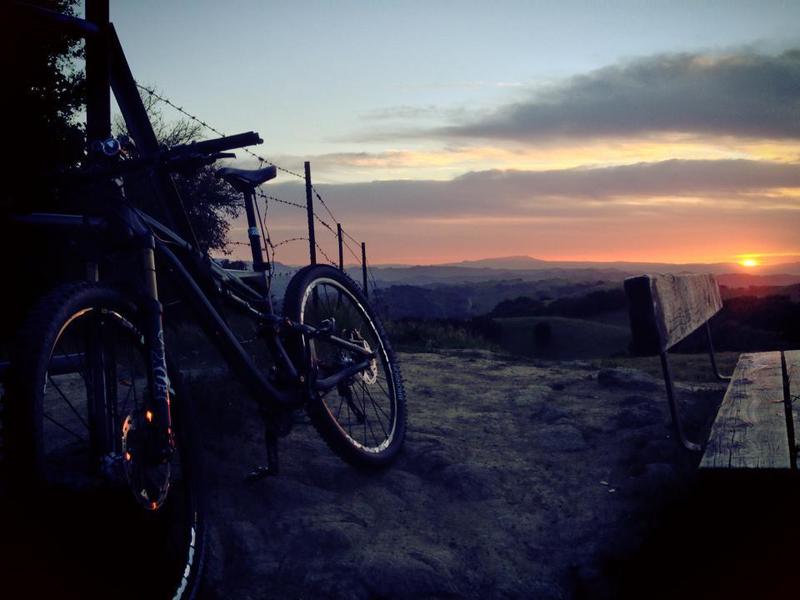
(252, 230)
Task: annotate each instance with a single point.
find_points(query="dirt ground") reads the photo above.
(518, 480)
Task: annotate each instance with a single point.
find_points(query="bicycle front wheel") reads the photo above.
(362, 419)
(103, 524)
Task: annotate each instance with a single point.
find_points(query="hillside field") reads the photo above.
(518, 480)
(568, 338)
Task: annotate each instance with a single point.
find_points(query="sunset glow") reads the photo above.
(561, 147)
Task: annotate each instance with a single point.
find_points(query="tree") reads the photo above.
(43, 93)
(210, 203)
(42, 97)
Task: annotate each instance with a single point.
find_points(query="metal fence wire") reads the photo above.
(270, 246)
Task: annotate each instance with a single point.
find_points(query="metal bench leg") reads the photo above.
(673, 406)
(711, 355)
(789, 413)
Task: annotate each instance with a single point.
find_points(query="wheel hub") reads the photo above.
(370, 374)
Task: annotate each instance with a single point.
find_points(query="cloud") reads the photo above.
(744, 94)
(464, 84)
(669, 210)
(411, 112)
(580, 192)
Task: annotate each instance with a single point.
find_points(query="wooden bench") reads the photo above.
(755, 425)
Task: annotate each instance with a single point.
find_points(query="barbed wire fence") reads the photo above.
(327, 221)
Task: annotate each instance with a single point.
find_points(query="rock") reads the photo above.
(628, 379)
(562, 437)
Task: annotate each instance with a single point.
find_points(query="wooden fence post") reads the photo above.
(98, 92)
(312, 242)
(341, 249)
(364, 268)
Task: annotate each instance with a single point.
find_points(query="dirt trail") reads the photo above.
(518, 480)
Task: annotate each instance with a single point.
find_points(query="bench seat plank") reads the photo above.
(750, 430)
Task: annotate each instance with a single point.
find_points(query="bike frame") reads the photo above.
(174, 246)
(194, 271)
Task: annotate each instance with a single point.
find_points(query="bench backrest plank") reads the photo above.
(750, 429)
(664, 309)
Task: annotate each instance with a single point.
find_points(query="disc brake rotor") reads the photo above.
(369, 375)
(148, 479)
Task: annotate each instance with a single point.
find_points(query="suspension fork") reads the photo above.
(157, 415)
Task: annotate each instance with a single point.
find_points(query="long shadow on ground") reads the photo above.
(733, 535)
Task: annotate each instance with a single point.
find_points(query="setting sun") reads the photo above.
(749, 262)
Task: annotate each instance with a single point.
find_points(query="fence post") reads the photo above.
(341, 253)
(98, 93)
(312, 242)
(364, 268)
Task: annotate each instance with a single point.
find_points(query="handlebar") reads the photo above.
(229, 142)
(175, 158)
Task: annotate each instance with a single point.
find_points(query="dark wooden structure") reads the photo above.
(755, 425)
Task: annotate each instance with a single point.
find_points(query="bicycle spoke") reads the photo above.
(349, 430)
(367, 420)
(388, 417)
(328, 303)
(67, 356)
(67, 429)
(339, 411)
(364, 416)
(72, 406)
(375, 410)
(126, 402)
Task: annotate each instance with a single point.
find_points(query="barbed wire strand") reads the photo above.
(354, 240)
(356, 256)
(328, 258)
(269, 245)
(260, 193)
(196, 119)
(267, 240)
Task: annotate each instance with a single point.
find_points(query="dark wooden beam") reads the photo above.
(62, 23)
(138, 123)
(664, 309)
(98, 95)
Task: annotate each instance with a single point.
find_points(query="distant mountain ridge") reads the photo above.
(470, 288)
(531, 263)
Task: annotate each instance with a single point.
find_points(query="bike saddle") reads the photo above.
(247, 177)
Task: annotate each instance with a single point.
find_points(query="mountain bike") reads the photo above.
(99, 431)
(96, 418)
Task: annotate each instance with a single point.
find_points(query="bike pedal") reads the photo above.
(259, 473)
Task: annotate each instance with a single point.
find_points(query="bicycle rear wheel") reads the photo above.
(102, 523)
(363, 419)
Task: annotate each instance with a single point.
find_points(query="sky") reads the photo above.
(447, 131)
